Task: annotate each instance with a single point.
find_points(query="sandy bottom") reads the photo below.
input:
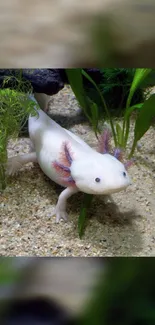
(124, 226)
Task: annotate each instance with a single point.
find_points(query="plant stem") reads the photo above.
(127, 132)
(2, 170)
(2, 178)
(132, 149)
(104, 104)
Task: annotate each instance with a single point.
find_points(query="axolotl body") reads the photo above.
(70, 162)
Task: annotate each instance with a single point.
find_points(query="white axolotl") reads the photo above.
(68, 161)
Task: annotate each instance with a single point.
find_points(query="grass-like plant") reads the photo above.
(14, 109)
(115, 86)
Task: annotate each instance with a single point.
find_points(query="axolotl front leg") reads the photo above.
(62, 168)
(16, 162)
(60, 210)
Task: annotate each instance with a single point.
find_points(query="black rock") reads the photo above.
(44, 81)
(47, 81)
(95, 74)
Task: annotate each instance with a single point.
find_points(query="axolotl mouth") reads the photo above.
(109, 191)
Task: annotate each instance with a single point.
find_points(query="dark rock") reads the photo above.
(47, 81)
(95, 74)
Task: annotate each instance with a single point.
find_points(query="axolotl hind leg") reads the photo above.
(60, 210)
(16, 162)
(32, 148)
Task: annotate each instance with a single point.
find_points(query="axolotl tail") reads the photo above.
(37, 122)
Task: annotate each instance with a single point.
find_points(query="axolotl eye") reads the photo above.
(124, 174)
(97, 180)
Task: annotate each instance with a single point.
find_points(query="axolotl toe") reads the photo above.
(70, 162)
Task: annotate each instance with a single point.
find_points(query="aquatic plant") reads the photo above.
(144, 110)
(115, 86)
(15, 107)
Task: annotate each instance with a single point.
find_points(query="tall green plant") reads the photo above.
(145, 111)
(103, 103)
(115, 86)
(89, 107)
(143, 121)
(120, 135)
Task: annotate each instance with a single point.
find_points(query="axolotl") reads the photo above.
(70, 162)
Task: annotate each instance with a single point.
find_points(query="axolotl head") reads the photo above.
(101, 174)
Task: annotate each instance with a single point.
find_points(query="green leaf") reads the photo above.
(139, 77)
(94, 111)
(130, 109)
(83, 213)
(98, 90)
(95, 116)
(103, 102)
(144, 118)
(149, 81)
(143, 121)
(119, 134)
(81, 221)
(76, 83)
